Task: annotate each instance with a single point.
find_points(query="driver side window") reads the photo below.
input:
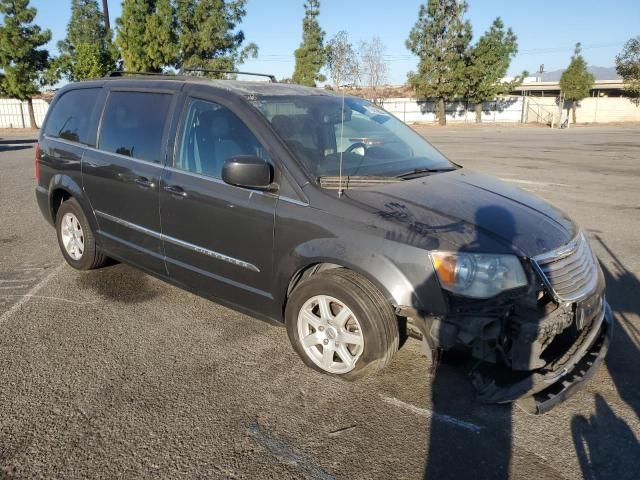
(212, 134)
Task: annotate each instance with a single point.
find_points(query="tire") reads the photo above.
(82, 254)
(370, 317)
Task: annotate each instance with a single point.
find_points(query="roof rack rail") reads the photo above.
(121, 73)
(272, 78)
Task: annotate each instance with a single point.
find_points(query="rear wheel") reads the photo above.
(340, 324)
(76, 238)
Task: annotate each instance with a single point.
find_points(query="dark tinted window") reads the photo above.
(71, 115)
(133, 124)
(211, 135)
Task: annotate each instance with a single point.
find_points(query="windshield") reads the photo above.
(372, 142)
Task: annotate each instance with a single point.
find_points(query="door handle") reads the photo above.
(176, 190)
(144, 182)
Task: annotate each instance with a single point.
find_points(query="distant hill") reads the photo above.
(601, 73)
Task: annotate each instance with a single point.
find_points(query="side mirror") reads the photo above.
(248, 171)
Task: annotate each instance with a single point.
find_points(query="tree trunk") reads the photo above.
(442, 116)
(32, 115)
(573, 111)
(478, 112)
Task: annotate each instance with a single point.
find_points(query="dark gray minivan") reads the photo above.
(328, 214)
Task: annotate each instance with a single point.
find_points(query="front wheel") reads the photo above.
(340, 324)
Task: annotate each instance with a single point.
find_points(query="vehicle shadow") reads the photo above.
(119, 283)
(455, 451)
(17, 141)
(605, 444)
(11, 147)
(623, 359)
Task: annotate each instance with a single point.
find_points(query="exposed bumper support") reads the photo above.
(540, 392)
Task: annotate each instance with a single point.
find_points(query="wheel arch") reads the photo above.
(62, 188)
(379, 270)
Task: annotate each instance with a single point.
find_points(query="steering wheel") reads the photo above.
(356, 145)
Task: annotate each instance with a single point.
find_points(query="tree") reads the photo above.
(132, 26)
(576, 81)
(146, 35)
(208, 36)
(87, 51)
(311, 56)
(628, 67)
(160, 39)
(373, 66)
(440, 39)
(488, 62)
(342, 60)
(21, 57)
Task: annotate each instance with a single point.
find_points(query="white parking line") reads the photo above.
(55, 299)
(36, 288)
(423, 412)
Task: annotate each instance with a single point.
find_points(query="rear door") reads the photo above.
(218, 238)
(121, 176)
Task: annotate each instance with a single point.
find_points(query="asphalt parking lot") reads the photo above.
(112, 373)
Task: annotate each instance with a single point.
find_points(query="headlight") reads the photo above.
(478, 275)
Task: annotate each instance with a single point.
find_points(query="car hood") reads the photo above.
(465, 211)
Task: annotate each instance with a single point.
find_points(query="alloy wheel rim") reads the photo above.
(72, 236)
(330, 334)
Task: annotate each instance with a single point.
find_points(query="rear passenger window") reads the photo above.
(71, 115)
(133, 124)
(211, 135)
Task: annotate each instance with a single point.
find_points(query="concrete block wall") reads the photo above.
(15, 114)
(515, 110)
(504, 109)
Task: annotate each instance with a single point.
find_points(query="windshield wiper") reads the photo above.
(421, 171)
(350, 181)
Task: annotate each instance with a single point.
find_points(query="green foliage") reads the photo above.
(132, 26)
(440, 39)
(22, 59)
(87, 51)
(488, 62)
(628, 67)
(160, 42)
(342, 60)
(208, 35)
(91, 61)
(154, 35)
(311, 56)
(576, 81)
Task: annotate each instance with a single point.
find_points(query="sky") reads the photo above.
(547, 30)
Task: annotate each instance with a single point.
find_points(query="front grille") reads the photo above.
(570, 272)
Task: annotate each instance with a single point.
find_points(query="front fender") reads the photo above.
(397, 270)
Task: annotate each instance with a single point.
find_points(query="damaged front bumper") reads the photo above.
(536, 353)
(542, 390)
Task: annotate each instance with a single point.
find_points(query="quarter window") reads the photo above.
(71, 115)
(133, 124)
(211, 135)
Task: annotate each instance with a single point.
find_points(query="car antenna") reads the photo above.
(341, 149)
